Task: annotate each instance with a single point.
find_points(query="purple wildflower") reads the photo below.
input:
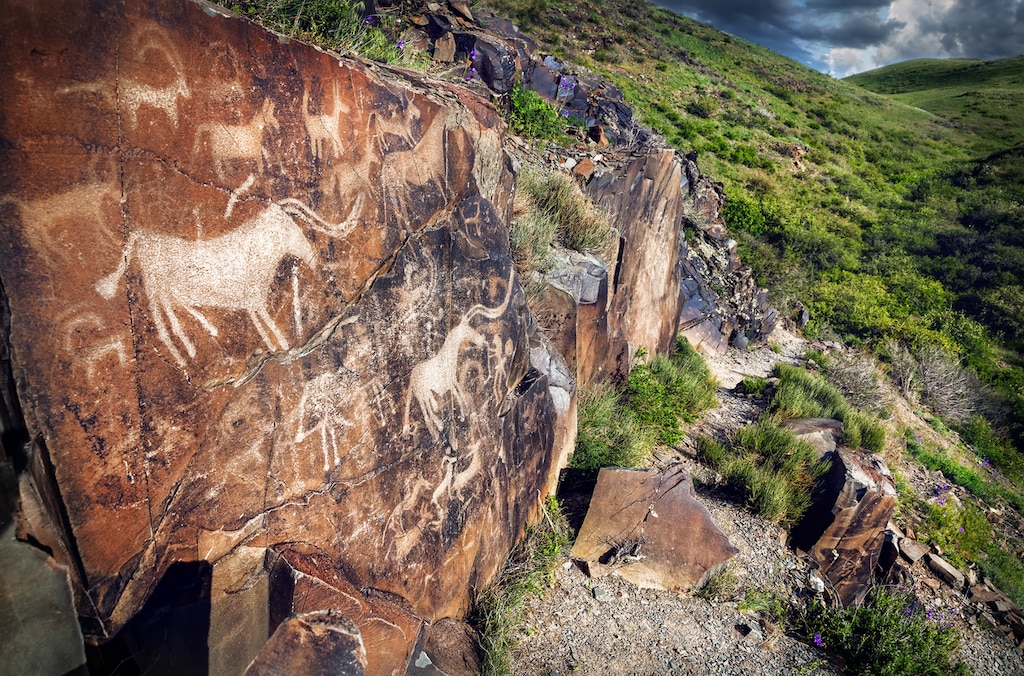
(817, 640)
(401, 44)
(472, 54)
(368, 20)
(961, 530)
(908, 611)
(473, 69)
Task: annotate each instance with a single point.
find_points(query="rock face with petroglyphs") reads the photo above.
(259, 296)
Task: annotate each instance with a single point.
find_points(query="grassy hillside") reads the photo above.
(899, 227)
(985, 98)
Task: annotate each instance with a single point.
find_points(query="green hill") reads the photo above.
(895, 217)
(985, 98)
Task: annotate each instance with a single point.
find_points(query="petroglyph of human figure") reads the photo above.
(436, 378)
(230, 272)
(323, 128)
(135, 93)
(321, 410)
(233, 142)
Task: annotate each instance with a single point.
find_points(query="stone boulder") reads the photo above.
(646, 526)
(843, 530)
(261, 295)
(324, 642)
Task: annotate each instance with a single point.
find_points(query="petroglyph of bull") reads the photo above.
(437, 377)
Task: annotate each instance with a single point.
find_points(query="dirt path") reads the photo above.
(609, 626)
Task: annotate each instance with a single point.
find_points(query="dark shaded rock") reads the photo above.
(322, 642)
(843, 530)
(648, 527)
(262, 295)
(453, 648)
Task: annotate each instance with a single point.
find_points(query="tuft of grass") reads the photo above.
(755, 385)
(609, 435)
(529, 571)
(767, 464)
(719, 585)
(533, 229)
(579, 224)
(891, 634)
(801, 394)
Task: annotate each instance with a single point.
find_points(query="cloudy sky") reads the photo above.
(849, 36)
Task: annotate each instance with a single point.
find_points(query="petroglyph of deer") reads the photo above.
(322, 128)
(230, 142)
(437, 377)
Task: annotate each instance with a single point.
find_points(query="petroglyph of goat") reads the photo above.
(322, 128)
(437, 377)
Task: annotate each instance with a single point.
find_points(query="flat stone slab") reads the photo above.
(912, 550)
(946, 571)
(647, 526)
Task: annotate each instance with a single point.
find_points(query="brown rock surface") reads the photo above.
(261, 295)
(648, 526)
(843, 530)
(324, 642)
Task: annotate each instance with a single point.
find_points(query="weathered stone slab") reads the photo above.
(262, 295)
(946, 571)
(452, 647)
(822, 433)
(650, 528)
(843, 530)
(912, 550)
(303, 580)
(323, 642)
(38, 621)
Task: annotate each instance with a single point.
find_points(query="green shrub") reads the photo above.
(334, 24)
(889, 635)
(532, 116)
(498, 609)
(754, 385)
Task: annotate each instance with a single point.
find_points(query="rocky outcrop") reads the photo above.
(261, 296)
(647, 527)
(843, 530)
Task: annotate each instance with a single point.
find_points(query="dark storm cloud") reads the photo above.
(867, 33)
(984, 29)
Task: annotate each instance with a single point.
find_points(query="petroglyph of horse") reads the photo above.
(437, 377)
(323, 128)
(231, 142)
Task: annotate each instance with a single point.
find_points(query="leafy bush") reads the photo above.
(532, 116)
(754, 385)
(767, 464)
(498, 610)
(891, 634)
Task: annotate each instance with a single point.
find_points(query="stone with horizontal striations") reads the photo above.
(648, 526)
(261, 295)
